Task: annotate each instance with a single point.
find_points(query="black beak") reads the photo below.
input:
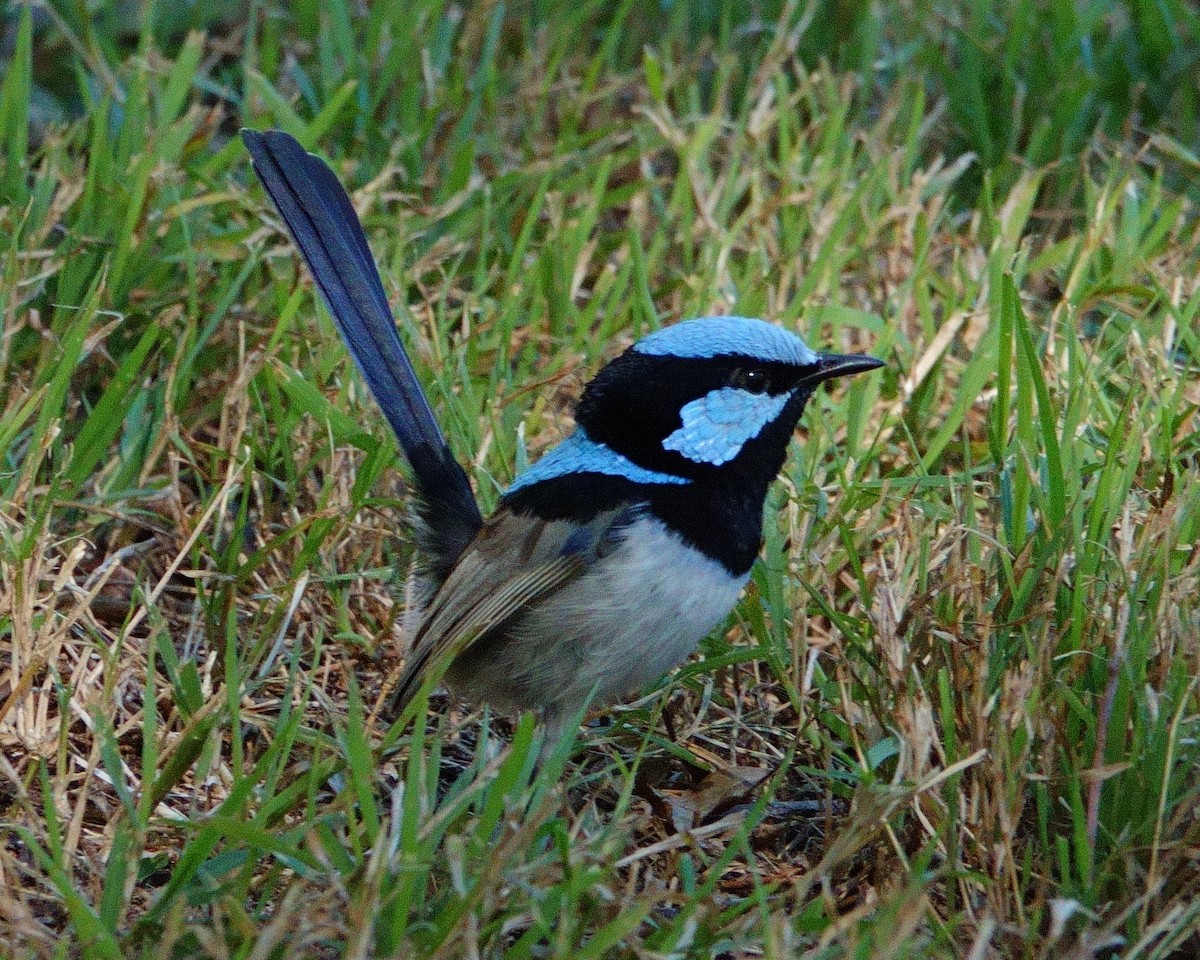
(830, 365)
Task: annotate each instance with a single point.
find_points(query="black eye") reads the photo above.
(751, 380)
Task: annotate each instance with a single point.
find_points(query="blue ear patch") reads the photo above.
(718, 424)
(579, 453)
(727, 336)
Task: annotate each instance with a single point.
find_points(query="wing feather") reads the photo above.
(512, 565)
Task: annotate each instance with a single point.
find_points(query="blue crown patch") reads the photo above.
(727, 336)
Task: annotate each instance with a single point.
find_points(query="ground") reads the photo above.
(957, 711)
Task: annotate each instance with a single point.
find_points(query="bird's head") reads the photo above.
(718, 396)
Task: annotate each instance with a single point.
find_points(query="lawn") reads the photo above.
(957, 711)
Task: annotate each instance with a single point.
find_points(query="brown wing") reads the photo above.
(513, 563)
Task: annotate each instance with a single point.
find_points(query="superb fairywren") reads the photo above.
(610, 559)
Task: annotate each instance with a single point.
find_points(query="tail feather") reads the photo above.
(326, 230)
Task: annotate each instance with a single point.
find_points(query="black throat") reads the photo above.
(719, 511)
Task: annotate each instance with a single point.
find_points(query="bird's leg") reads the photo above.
(557, 724)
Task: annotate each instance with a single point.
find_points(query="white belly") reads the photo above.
(634, 615)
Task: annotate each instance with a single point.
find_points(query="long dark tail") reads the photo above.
(327, 232)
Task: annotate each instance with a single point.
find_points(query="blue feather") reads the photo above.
(580, 454)
(727, 336)
(718, 424)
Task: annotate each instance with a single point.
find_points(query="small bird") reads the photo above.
(608, 560)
